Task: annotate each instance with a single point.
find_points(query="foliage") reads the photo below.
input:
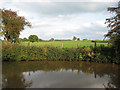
(74, 38)
(40, 40)
(33, 38)
(78, 39)
(101, 41)
(63, 40)
(114, 25)
(52, 39)
(24, 40)
(114, 30)
(113, 22)
(99, 54)
(85, 39)
(12, 25)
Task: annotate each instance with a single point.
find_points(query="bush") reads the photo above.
(99, 54)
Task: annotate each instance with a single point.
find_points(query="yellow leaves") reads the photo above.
(87, 49)
(92, 54)
(45, 49)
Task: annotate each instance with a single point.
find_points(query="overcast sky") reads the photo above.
(63, 19)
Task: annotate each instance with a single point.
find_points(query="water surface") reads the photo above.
(60, 74)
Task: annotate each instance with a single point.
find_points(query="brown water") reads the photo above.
(60, 74)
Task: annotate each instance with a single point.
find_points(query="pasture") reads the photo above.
(65, 44)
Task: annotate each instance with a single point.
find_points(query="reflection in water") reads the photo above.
(59, 74)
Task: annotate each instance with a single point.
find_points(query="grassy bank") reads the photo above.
(19, 52)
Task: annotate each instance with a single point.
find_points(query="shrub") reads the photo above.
(99, 54)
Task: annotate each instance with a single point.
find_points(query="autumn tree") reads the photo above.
(12, 24)
(114, 25)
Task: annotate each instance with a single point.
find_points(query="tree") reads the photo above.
(78, 39)
(12, 24)
(52, 39)
(33, 38)
(0, 40)
(114, 31)
(114, 25)
(40, 40)
(24, 39)
(74, 38)
(85, 39)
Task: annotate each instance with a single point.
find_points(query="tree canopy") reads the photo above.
(114, 31)
(12, 24)
(74, 38)
(52, 39)
(78, 39)
(114, 24)
(24, 39)
(33, 38)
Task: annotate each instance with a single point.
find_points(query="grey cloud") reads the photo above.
(95, 31)
(63, 12)
(61, 8)
(87, 32)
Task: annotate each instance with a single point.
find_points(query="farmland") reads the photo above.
(66, 44)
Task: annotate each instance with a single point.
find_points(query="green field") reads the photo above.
(66, 44)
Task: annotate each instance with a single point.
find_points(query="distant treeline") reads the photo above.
(52, 39)
(63, 40)
(100, 41)
(41, 40)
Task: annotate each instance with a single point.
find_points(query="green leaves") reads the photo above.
(12, 24)
(113, 23)
(33, 38)
(19, 52)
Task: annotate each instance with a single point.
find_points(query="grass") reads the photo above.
(66, 44)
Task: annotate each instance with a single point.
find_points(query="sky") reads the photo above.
(63, 19)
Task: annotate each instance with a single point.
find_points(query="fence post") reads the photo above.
(62, 44)
(95, 47)
(108, 44)
(78, 45)
(95, 44)
(28, 44)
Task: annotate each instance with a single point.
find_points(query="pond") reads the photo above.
(59, 74)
